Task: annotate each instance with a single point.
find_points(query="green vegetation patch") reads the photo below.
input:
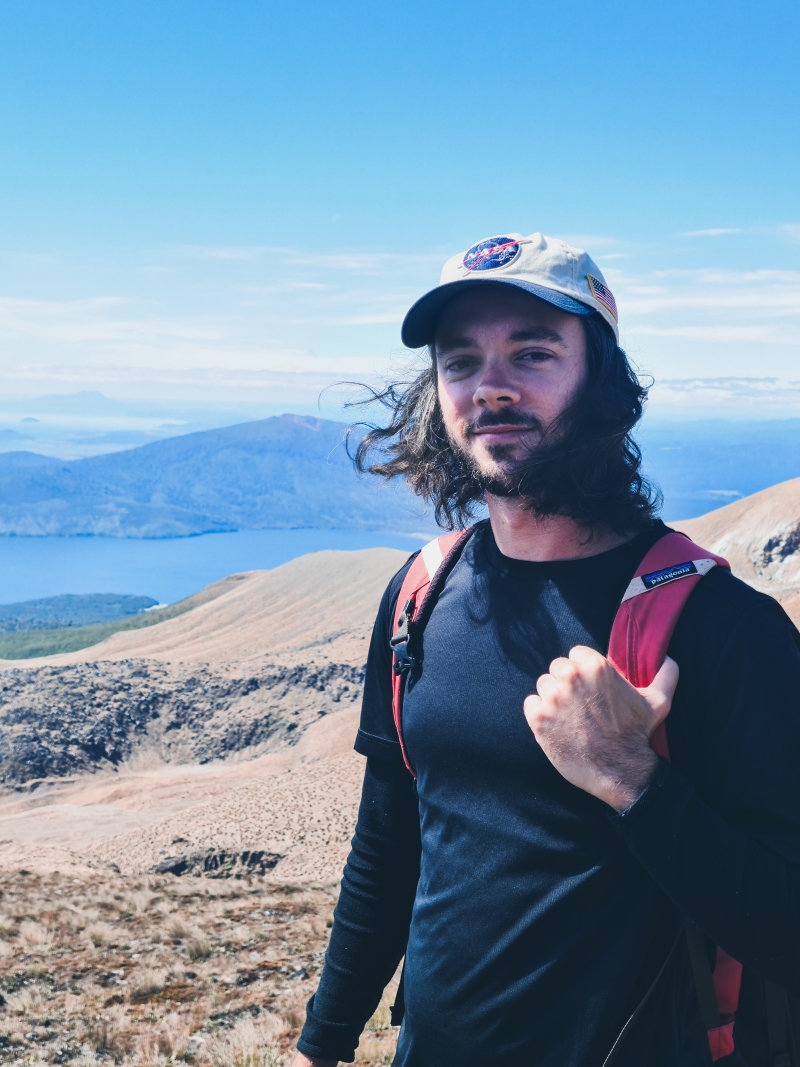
(59, 612)
(31, 644)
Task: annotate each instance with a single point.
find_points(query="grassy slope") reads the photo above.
(107, 969)
(33, 643)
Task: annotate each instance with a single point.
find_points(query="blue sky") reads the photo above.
(239, 201)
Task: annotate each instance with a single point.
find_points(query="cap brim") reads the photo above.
(419, 325)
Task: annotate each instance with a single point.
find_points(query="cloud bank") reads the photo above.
(288, 321)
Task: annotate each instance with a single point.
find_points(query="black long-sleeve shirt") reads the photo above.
(532, 916)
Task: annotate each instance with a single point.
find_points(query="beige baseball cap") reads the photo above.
(548, 268)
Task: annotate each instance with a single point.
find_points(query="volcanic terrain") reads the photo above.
(178, 803)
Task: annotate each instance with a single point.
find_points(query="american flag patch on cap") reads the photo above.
(603, 294)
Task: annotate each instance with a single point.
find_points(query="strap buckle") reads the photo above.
(403, 661)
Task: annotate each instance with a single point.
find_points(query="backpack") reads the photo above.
(640, 636)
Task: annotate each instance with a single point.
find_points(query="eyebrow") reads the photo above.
(534, 333)
(537, 333)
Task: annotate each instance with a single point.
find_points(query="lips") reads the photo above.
(501, 431)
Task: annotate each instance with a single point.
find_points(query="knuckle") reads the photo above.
(545, 683)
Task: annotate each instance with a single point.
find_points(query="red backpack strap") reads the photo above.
(640, 637)
(424, 576)
(652, 605)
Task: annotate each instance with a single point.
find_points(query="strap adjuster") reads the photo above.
(402, 661)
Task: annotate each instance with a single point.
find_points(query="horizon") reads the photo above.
(87, 423)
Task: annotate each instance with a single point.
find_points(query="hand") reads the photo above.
(303, 1061)
(595, 727)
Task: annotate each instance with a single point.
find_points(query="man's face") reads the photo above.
(508, 365)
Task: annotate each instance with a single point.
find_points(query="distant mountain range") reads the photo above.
(292, 471)
(286, 472)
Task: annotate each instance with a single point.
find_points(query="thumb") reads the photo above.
(661, 690)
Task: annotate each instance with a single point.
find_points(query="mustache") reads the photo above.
(504, 417)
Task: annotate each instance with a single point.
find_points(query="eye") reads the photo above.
(535, 355)
(460, 364)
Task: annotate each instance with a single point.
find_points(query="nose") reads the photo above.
(493, 392)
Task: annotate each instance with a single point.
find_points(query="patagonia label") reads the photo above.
(669, 574)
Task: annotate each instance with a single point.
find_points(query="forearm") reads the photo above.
(741, 892)
(371, 920)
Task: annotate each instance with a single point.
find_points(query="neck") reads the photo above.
(521, 535)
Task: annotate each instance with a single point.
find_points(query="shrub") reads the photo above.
(198, 949)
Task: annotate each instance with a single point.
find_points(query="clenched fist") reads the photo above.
(595, 727)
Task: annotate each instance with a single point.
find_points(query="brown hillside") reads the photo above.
(243, 711)
(242, 674)
(760, 538)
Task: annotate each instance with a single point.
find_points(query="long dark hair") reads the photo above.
(587, 466)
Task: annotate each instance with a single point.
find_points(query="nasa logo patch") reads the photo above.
(491, 254)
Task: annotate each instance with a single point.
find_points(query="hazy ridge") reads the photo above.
(285, 472)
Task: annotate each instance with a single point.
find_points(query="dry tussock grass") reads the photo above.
(146, 972)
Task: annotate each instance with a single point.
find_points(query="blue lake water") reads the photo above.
(699, 467)
(168, 570)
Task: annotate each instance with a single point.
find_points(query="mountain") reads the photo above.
(760, 538)
(288, 472)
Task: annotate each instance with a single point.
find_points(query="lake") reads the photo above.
(169, 569)
(699, 466)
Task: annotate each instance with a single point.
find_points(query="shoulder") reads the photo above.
(384, 622)
(727, 625)
(392, 591)
(465, 558)
(727, 602)
(734, 728)
(377, 735)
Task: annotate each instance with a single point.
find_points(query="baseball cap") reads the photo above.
(548, 268)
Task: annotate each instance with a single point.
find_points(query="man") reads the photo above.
(538, 872)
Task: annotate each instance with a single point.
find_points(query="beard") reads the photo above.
(507, 474)
(564, 469)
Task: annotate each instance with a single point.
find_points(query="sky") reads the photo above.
(234, 204)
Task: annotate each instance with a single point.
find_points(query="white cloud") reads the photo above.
(269, 310)
(588, 241)
(80, 321)
(771, 291)
(730, 386)
(737, 397)
(734, 334)
(282, 257)
(213, 252)
(711, 306)
(376, 318)
(211, 384)
(711, 233)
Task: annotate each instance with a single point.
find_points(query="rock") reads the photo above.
(59, 721)
(220, 864)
